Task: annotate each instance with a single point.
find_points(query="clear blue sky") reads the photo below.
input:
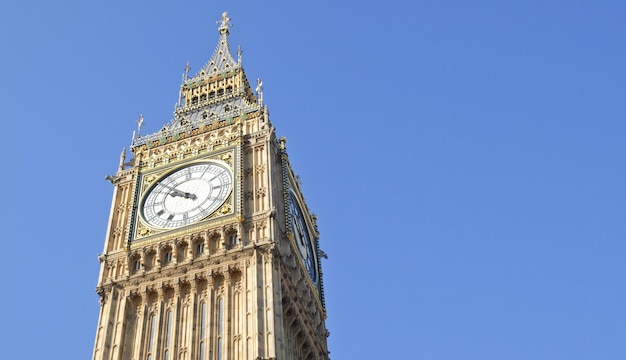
(466, 160)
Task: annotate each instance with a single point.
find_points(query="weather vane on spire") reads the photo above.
(225, 24)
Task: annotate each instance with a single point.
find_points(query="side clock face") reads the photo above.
(302, 237)
(187, 195)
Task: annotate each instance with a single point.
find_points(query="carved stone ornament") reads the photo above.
(144, 231)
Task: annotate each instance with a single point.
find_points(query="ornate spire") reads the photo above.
(221, 60)
(215, 96)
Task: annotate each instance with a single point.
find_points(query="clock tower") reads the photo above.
(211, 252)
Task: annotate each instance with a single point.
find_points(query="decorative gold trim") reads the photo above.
(225, 157)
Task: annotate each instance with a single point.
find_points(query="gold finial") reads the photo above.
(225, 24)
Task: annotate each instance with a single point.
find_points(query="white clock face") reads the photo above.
(302, 237)
(187, 195)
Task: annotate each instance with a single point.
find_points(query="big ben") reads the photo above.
(211, 252)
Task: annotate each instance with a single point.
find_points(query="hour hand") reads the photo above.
(183, 194)
(175, 192)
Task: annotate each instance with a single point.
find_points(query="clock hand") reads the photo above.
(186, 195)
(175, 192)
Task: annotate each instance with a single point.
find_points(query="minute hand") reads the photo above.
(175, 192)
